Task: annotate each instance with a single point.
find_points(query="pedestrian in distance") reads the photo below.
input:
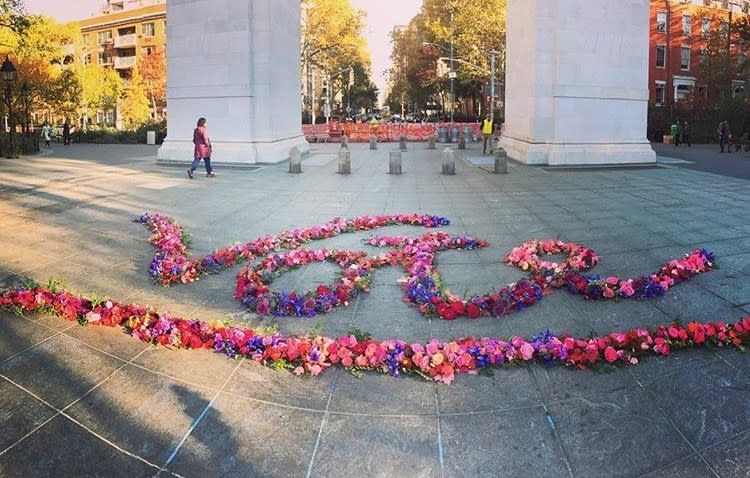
(202, 149)
(46, 134)
(724, 136)
(487, 130)
(679, 132)
(66, 133)
(686, 133)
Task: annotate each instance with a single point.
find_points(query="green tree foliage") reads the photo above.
(332, 42)
(332, 35)
(362, 92)
(473, 27)
(718, 65)
(13, 17)
(38, 55)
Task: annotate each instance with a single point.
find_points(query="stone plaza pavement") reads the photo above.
(91, 401)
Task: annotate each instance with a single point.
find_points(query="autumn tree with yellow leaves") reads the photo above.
(473, 27)
(332, 41)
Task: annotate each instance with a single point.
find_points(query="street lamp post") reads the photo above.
(451, 73)
(8, 72)
(28, 144)
(327, 90)
(25, 96)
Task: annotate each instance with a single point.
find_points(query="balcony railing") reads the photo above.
(124, 62)
(125, 41)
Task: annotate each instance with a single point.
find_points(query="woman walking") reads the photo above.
(202, 149)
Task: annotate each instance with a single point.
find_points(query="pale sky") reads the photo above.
(64, 10)
(382, 16)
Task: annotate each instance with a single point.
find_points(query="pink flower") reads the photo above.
(527, 351)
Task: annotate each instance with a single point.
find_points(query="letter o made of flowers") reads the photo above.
(527, 257)
(252, 286)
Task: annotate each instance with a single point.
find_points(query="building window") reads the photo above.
(659, 90)
(85, 39)
(687, 24)
(148, 29)
(705, 26)
(104, 58)
(661, 56)
(147, 50)
(661, 21)
(104, 37)
(685, 58)
(87, 58)
(681, 92)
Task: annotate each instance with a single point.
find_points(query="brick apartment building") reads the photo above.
(119, 35)
(678, 40)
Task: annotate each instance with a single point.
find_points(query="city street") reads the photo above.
(707, 158)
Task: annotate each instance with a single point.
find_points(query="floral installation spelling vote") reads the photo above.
(435, 360)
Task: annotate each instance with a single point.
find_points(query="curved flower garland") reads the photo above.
(171, 264)
(253, 291)
(526, 256)
(423, 285)
(436, 360)
(581, 258)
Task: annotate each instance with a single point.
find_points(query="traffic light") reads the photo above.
(324, 91)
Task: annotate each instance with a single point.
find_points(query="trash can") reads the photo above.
(468, 134)
(442, 134)
(150, 137)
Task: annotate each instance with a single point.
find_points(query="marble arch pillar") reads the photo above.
(577, 82)
(236, 63)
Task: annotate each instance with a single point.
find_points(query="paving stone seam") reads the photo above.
(323, 422)
(664, 414)
(62, 412)
(440, 449)
(58, 333)
(197, 421)
(551, 423)
(726, 440)
(745, 372)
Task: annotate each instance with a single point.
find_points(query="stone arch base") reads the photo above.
(577, 82)
(236, 63)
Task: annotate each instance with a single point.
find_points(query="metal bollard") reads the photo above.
(344, 141)
(461, 141)
(295, 160)
(402, 143)
(501, 161)
(431, 142)
(345, 161)
(449, 161)
(373, 142)
(394, 162)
